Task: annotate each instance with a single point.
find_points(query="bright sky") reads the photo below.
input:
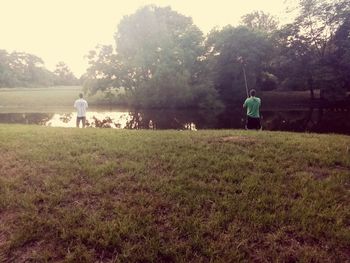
(65, 30)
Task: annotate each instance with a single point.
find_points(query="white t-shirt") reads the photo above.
(81, 105)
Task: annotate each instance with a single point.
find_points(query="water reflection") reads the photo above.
(66, 117)
(168, 119)
(26, 118)
(107, 122)
(312, 120)
(110, 119)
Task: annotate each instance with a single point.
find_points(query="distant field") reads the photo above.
(96, 195)
(44, 99)
(27, 97)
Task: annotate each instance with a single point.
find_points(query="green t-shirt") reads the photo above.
(253, 106)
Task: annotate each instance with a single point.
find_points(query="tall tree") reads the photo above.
(7, 77)
(26, 67)
(104, 72)
(19, 69)
(340, 58)
(64, 75)
(307, 43)
(161, 50)
(228, 50)
(158, 60)
(258, 20)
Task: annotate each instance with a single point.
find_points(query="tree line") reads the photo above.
(20, 69)
(162, 59)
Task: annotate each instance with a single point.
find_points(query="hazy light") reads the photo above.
(65, 30)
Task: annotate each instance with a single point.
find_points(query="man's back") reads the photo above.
(253, 106)
(81, 105)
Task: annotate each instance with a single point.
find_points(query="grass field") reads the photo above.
(95, 195)
(44, 99)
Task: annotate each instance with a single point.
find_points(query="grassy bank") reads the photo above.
(97, 195)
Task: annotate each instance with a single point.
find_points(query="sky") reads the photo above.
(65, 30)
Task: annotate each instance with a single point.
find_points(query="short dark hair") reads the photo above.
(252, 92)
(81, 95)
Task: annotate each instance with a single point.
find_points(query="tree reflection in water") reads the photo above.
(66, 117)
(107, 122)
(172, 119)
(26, 118)
(313, 120)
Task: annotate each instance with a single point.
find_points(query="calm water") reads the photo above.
(311, 120)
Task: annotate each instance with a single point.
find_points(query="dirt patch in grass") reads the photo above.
(10, 165)
(318, 173)
(339, 168)
(6, 218)
(36, 251)
(3, 244)
(13, 167)
(234, 139)
(292, 246)
(238, 139)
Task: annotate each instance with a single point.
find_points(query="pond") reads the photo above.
(297, 120)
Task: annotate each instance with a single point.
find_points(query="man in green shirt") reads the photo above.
(253, 111)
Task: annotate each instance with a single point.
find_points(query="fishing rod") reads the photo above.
(241, 60)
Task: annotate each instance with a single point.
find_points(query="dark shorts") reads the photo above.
(82, 119)
(253, 123)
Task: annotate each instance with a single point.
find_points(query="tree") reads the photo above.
(19, 69)
(104, 70)
(224, 50)
(26, 68)
(157, 61)
(161, 50)
(306, 45)
(6, 74)
(259, 20)
(294, 63)
(63, 75)
(340, 58)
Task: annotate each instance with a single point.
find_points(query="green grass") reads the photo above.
(95, 195)
(50, 99)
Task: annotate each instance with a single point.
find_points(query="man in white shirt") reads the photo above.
(81, 105)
